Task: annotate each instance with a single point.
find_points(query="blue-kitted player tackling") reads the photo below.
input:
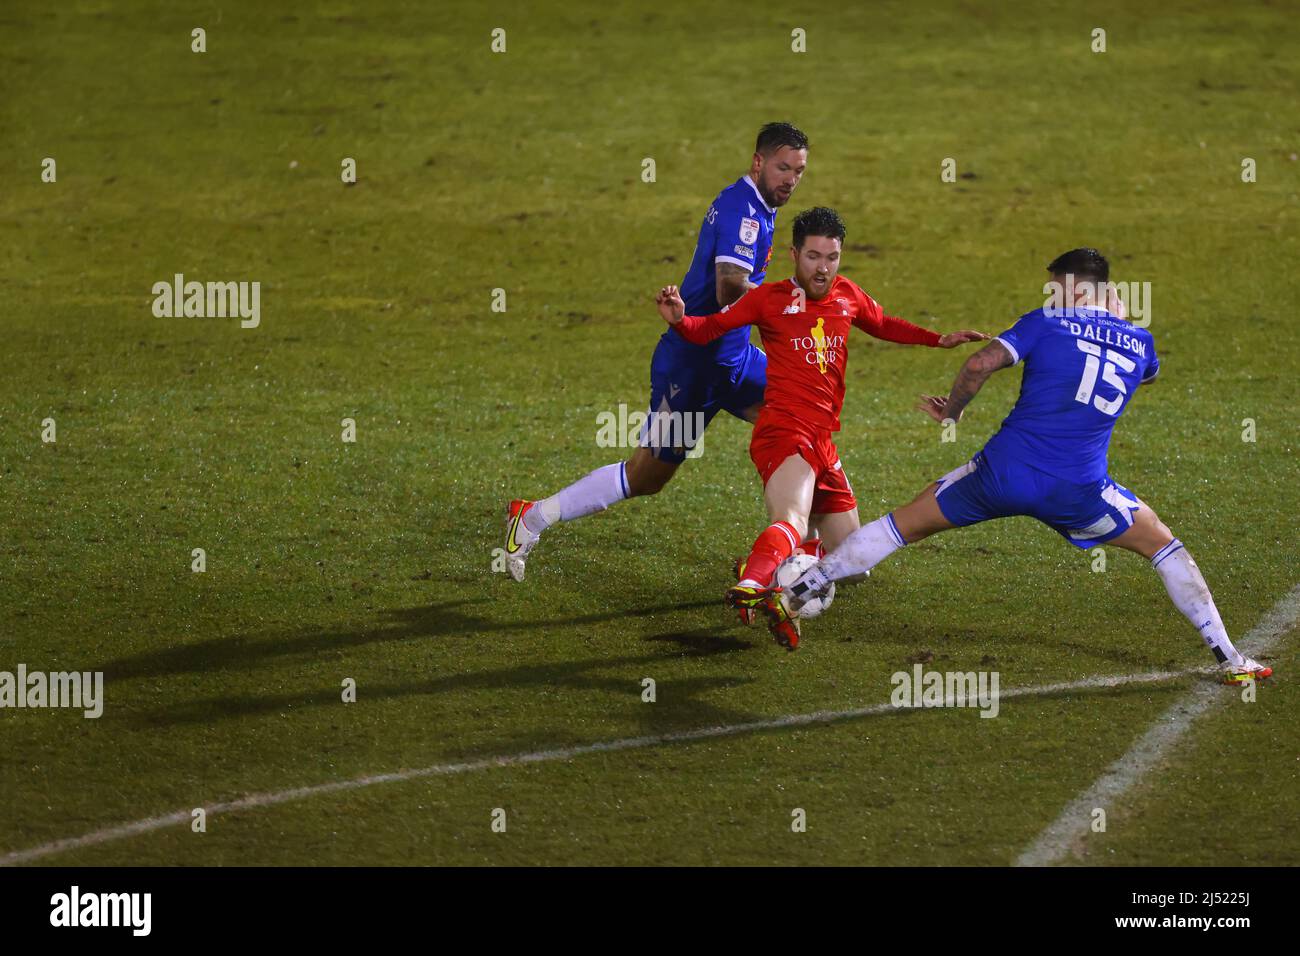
(1083, 362)
(690, 384)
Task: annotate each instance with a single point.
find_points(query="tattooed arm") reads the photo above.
(732, 282)
(969, 381)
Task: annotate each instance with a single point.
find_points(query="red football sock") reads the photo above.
(770, 548)
(814, 547)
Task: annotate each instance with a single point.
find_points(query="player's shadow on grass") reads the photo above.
(623, 689)
(538, 730)
(443, 620)
(702, 640)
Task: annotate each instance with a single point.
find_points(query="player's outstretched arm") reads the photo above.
(974, 373)
(701, 329)
(871, 319)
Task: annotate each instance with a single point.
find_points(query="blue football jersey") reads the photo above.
(1081, 368)
(738, 228)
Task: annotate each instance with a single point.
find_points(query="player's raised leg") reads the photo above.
(750, 388)
(744, 400)
(812, 544)
(788, 495)
(679, 412)
(642, 474)
(1149, 537)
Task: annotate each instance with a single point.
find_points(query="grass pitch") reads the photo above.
(522, 171)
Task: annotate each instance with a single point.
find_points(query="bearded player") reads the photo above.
(1083, 363)
(804, 323)
(690, 383)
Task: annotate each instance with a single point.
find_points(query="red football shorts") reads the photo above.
(771, 445)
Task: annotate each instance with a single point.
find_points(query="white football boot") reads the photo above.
(1244, 672)
(519, 540)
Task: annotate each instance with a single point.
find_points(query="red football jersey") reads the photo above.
(806, 341)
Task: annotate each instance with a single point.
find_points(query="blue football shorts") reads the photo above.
(685, 396)
(1086, 514)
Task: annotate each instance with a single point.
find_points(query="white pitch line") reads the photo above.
(257, 800)
(1075, 821)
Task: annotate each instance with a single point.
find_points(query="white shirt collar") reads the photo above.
(754, 186)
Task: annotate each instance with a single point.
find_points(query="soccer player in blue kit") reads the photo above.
(690, 384)
(1083, 362)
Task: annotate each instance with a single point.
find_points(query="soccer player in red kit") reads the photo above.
(804, 323)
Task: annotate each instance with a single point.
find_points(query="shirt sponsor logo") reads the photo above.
(817, 347)
(749, 231)
(746, 251)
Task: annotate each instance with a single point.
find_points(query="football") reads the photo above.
(791, 570)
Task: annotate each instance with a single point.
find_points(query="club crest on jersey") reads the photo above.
(748, 231)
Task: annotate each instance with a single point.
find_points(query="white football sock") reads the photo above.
(861, 551)
(543, 514)
(1190, 594)
(589, 494)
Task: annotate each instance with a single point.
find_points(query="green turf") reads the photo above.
(522, 171)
